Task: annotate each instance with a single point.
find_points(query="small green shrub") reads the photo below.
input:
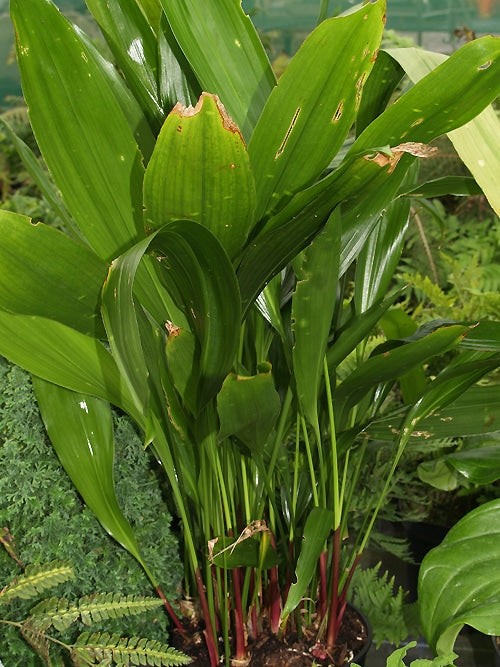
(49, 521)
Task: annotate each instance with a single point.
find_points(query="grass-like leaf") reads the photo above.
(37, 578)
(103, 648)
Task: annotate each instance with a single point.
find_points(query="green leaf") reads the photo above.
(240, 74)
(199, 277)
(248, 407)
(459, 581)
(480, 465)
(43, 272)
(447, 185)
(477, 143)
(63, 356)
(104, 649)
(484, 336)
(473, 413)
(313, 108)
(313, 304)
(395, 363)
(380, 255)
(316, 530)
(134, 46)
(230, 552)
(80, 428)
(200, 171)
(84, 136)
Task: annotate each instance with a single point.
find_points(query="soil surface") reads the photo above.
(291, 651)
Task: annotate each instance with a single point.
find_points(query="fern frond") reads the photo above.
(55, 611)
(105, 649)
(36, 639)
(37, 578)
(100, 607)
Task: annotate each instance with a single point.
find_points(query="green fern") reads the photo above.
(391, 618)
(105, 649)
(91, 609)
(36, 579)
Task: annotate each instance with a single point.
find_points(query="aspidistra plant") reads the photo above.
(187, 180)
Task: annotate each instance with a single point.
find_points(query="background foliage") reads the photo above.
(43, 511)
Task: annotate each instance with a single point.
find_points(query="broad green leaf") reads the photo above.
(316, 530)
(43, 272)
(447, 185)
(357, 328)
(484, 336)
(474, 413)
(395, 363)
(380, 255)
(449, 385)
(235, 69)
(230, 552)
(134, 46)
(480, 465)
(437, 474)
(313, 107)
(478, 142)
(184, 364)
(80, 428)
(378, 89)
(63, 356)
(197, 273)
(313, 304)
(459, 581)
(176, 80)
(84, 136)
(248, 407)
(120, 320)
(443, 100)
(200, 171)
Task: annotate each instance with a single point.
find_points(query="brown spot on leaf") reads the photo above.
(288, 133)
(485, 65)
(392, 157)
(338, 112)
(172, 329)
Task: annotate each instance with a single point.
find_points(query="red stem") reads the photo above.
(239, 631)
(323, 592)
(209, 631)
(274, 600)
(170, 610)
(333, 626)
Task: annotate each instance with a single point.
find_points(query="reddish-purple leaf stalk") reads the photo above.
(209, 630)
(170, 610)
(239, 632)
(333, 619)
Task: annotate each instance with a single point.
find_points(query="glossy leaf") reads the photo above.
(313, 107)
(200, 171)
(379, 258)
(199, 277)
(313, 304)
(240, 74)
(447, 185)
(459, 581)
(63, 356)
(395, 363)
(474, 413)
(248, 407)
(43, 272)
(230, 553)
(84, 137)
(316, 530)
(134, 46)
(478, 143)
(480, 465)
(483, 336)
(80, 428)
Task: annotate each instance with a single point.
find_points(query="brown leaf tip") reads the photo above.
(187, 112)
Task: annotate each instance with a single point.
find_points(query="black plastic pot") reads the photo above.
(496, 650)
(360, 657)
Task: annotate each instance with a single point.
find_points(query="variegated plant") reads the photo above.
(211, 217)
